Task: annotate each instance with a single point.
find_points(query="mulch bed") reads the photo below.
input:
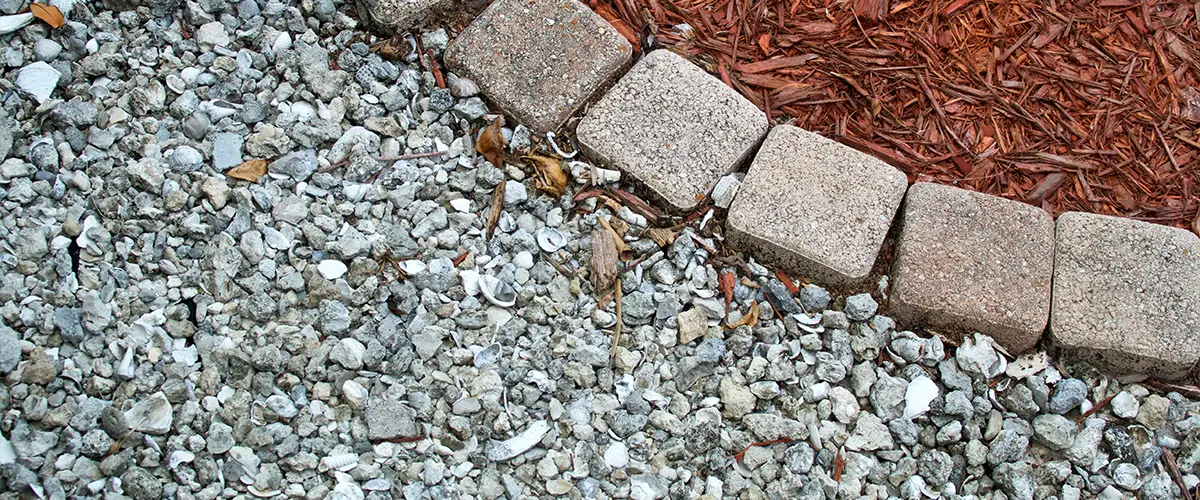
(1071, 105)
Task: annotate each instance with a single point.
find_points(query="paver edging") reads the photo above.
(1121, 357)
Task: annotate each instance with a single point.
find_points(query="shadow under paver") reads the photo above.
(539, 60)
(1126, 295)
(673, 127)
(815, 206)
(969, 262)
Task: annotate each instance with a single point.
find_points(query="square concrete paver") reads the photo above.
(539, 60)
(815, 206)
(1127, 294)
(970, 262)
(673, 127)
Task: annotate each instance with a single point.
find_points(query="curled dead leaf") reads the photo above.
(249, 170)
(494, 211)
(618, 241)
(491, 143)
(49, 14)
(549, 174)
(604, 260)
(750, 319)
(392, 49)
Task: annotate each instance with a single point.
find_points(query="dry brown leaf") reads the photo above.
(662, 236)
(612, 352)
(618, 241)
(48, 14)
(604, 260)
(392, 49)
(549, 174)
(249, 170)
(491, 143)
(494, 211)
(750, 319)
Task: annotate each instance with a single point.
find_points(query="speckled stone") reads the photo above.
(969, 262)
(673, 128)
(1126, 294)
(391, 17)
(815, 206)
(539, 60)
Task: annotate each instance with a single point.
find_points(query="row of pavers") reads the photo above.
(1122, 294)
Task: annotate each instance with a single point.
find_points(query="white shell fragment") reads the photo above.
(341, 461)
(152, 416)
(331, 269)
(411, 267)
(508, 449)
(7, 454)
(550, 240)
(1027, 364)
(282, 42)
(38, 80)
(9, 24)
(725, 190)
(355, 393)
(488, 355)
(496, 291)
(462, 205)
(921, 391)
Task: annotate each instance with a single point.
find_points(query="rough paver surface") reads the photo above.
(673, 127)
(1127, 294)
(816, 206)
(398, 16)
(969, 262)
(539, 60)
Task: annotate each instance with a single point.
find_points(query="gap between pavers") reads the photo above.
(969, 262)
(673, 127)
(539, 60)
(1126, 294)
(815, 207)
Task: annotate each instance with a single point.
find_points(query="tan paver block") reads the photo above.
(673, 127)
(1126, 295)
(970, 262)
(815, 206)
(539, 60)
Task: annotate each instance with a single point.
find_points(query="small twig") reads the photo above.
(741, 454)
(1095, 408)
(1173, 468)
(620, 325)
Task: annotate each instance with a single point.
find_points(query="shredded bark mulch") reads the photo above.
(1071, 105)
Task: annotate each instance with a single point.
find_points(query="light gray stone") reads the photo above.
(672, 127)
(815, 206)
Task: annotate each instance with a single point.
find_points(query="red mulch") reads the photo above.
(1087, 105)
